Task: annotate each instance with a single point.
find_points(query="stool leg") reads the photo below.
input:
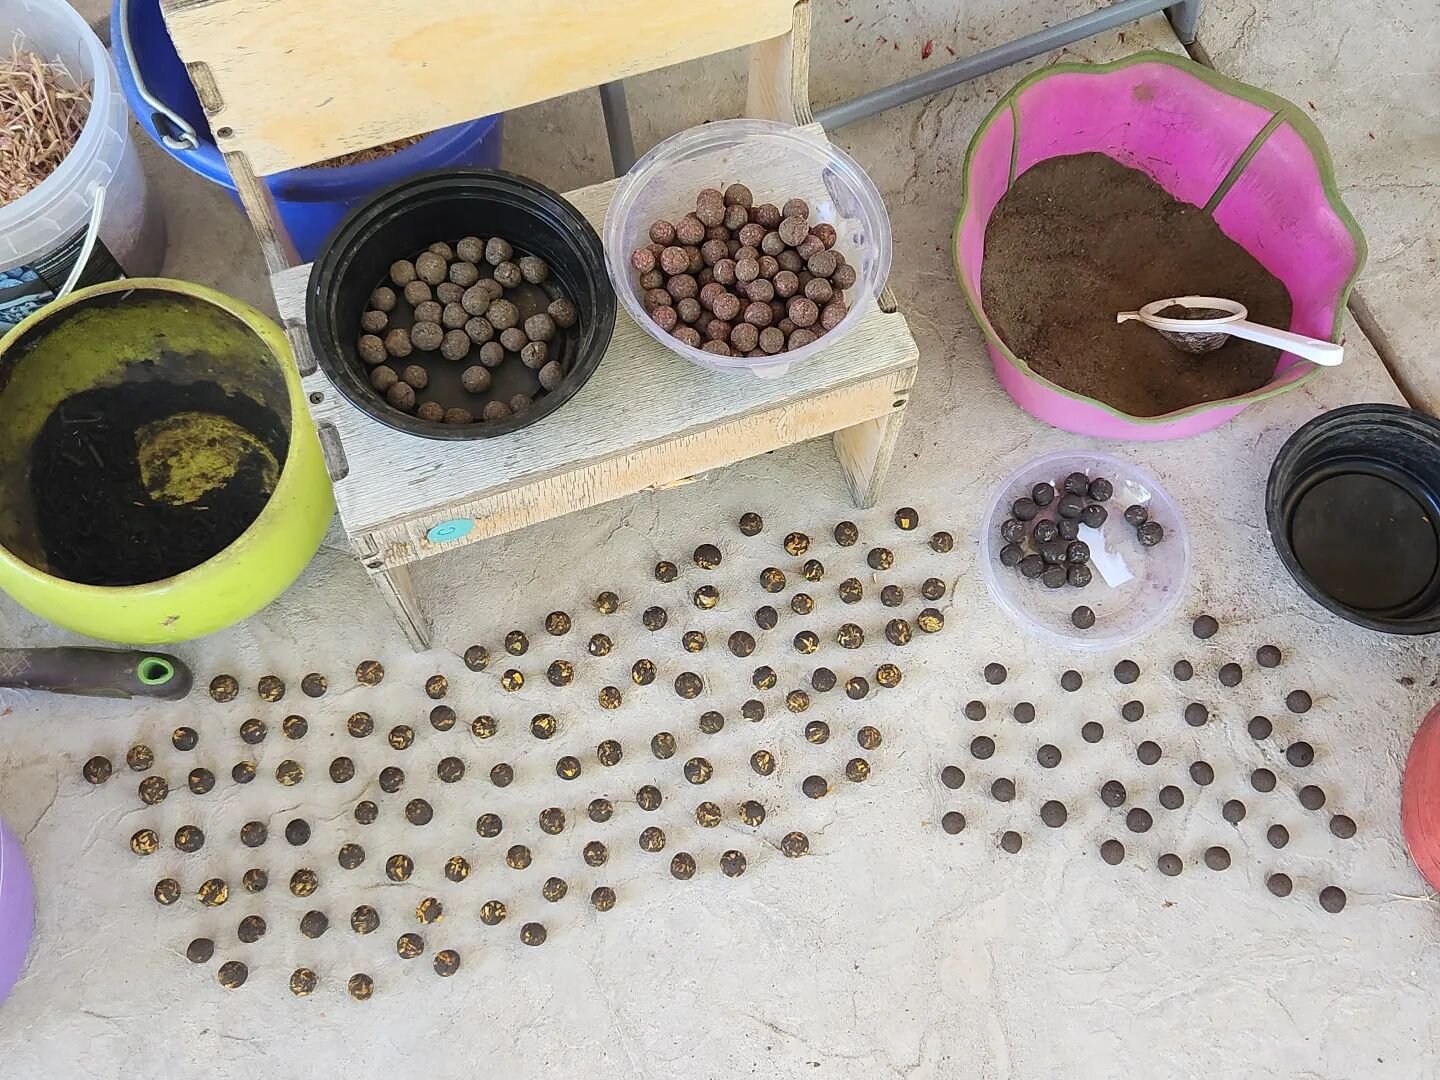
(399, 592)
(865, 451)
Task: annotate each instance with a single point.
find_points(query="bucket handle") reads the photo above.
(175, 131)
(92, 233)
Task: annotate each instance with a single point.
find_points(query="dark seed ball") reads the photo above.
(1342, 826)
(409, 946)
(97, 770)
(1169, 864)
(982, 747)
(313, 924)
(1043, 494)
(851, 591)
(802, 604)
(1112, 793)
(1217, 858)
(1332, 899)
(698, 770)
(224, 688)
(253, 834)
(1113, 852)
(350, 856)
(1024, 712)
(815, 787)
(805, 642)
(797, 701)
(1312, 797)
(995, 674)
(975, 710)
(762, 762)
(869, 738)
(1077, 552)
(1277, 836)
(295, 727)
(297, 832)
(201, 950)
(766, 617)
(822, 679)
(271, 688)
(1202, 772)
(1298, 701)
(184, 738)
(1204, 626)
(1053, 553)
(1138, 820)
(907, 518)
(1093, 516)
(850, 636)
(772, 579)
(1092, 731)
(952, 776)
(1068, 528)
(857, 687)
(1259, 728)
(880, 558)
(932, 588)
(232, 974)
(817, 732)
(1132, 711)
(1011, 842)
(1150, 534)
(1233, 811)
(682, 866)
(1148, 752)
(1127, 671)
(1012, 555)
(1171, 797)
(213, 892)
(1048, 756)
(1196, 715)
(1083, 618)
(567, 767)
(200, 781)
(140, 758)
(764, 677)
(1136, 515)
(1267, 656)
(1262, 780)
(1230, 675)
(502, 774)
(1183, 670)
(888, 676)
(892, 596)
(1076, 483)
(897, 632)
(243, 772)
(1012, 531)
(1044, 531)
(145, 842)
(1069, 506)
(953, 822)
(167, 892)
(652, 840)
(654, 618)
(419, 812)
(366, 812)
(1053, 813)
(401, 737)
(557, 624)
(1099, 489)
(642, 673)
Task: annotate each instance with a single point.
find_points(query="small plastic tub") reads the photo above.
(95, 205)
(405, 219)
(1134, 588)
(17, 909)
(1353, 505)
(777, 162)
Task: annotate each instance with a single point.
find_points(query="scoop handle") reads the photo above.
(96, 672)
(1325, 353)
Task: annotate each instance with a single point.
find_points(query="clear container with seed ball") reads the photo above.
(1133, 588)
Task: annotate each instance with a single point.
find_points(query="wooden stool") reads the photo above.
(284, 88)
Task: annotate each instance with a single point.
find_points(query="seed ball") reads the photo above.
(384, 377)
(1312, 797)
(1169, 864)
(495, 410)
(1113, 852)
(758, 314)
(551, 374)
(1053, 813)
(1342, 826)
(869, 738)
(953, 822)
(1277, 836)
(1112, 793)
(1092, 731)
(153, 790)
(1233, 811)
(1204, 626)
(1217, 858)
(1268, 656)
(513, 339)
(1202, 773)
(564, 312)
(1010, 842)
(1259, 728)
(418, 293)
(450, 317)
(427, 337)
(371, 348)
(1138, 820)
(802, 311)
(1298, 701)
(243, 772)
(1083, 618)
(455, 345)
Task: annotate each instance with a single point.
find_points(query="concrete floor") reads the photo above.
(895, 950)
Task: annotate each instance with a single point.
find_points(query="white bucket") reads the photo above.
(93, 212)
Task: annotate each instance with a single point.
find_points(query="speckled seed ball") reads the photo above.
(498, 251)
(383, 377)
(534, 355)
(371, 349)
(459, 416)
(432, 411)
(513, 339)
(402, 272)
(447, 292)
(383, 299)
(690, 230)
(431, 268)
(502, 314)
(401, 396)
(471, 249)
(802, 311)
(744, 337)
(417, 292)
(476, 379)
(551, 375)
(374, 322)
(426, 336)
(453, 317)
(455, 345)
(416, 376)
(464, 274)
(771, 340)
(495, 410)
(397, 344)
(508, 275)
(833, 314)
(534, 269)
(429, 311)
(492, 354)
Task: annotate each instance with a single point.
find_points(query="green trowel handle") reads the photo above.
(118, 673)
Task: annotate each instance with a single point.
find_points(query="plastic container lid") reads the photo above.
(777, 162)
(1134, 588)
(61, 203)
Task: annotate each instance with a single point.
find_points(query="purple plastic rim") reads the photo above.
(1084, 415)
(17, 909)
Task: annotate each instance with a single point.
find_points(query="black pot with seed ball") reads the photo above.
(402, 221)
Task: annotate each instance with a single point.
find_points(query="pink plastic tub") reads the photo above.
(17, 909)
(1251, 159)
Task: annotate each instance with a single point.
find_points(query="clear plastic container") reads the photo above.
(777, 162)
(95, 205)
(1134, 588)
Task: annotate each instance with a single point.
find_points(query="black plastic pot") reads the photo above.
(1353, 506)
(401, 222)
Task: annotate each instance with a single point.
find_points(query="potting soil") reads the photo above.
(139, 482)
(1077, 239)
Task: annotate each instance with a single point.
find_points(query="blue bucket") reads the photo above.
(311, 202)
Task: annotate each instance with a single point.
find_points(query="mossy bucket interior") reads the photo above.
(159, 474)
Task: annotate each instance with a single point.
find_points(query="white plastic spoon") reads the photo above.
(1221, 319)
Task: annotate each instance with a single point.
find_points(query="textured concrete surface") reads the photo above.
(894, 950)
(1370, 75)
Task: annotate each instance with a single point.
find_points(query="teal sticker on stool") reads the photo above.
(454, 529)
